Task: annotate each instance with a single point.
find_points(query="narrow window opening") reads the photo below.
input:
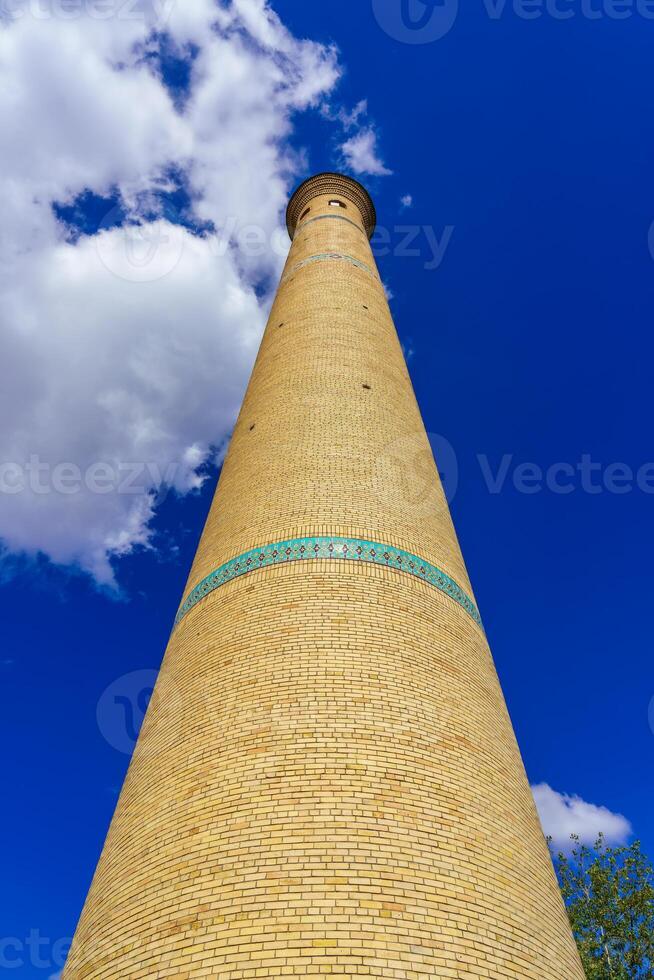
(367, 387)
(305, 213)
(252, 427)
(337, 204)
(365, 307)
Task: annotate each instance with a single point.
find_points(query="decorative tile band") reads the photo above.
(332, 548)
(330, 217)
(329, 257)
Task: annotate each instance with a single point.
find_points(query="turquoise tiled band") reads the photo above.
(332, 548)
(330, 217)
(329, 257)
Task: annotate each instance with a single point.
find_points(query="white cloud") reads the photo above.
(97, 126)
(407, 201)
(348, 118)
(114, 371)
(562, 816)
(362, 156)
(133, 347)
(359, 151)
(408, 350)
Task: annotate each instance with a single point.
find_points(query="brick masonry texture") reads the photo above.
(327, 782)
(335, 549)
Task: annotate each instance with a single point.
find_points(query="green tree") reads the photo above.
(609, 895)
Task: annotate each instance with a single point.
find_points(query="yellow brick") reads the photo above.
(327, 781)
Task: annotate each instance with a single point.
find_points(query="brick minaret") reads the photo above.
(327, 781)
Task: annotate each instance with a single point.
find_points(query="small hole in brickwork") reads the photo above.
(280, 325)
(252, 427)
(365, 307)
(367, 387)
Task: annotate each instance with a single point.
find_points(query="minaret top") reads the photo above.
(329, 183)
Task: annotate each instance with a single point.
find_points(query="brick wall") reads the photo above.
(327, 781)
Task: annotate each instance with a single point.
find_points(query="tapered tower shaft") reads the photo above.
(327, 781)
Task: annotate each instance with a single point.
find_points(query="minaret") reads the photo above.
(327, 782)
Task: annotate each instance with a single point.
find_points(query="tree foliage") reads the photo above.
(609, 895)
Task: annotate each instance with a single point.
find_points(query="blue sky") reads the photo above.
(524, 302)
